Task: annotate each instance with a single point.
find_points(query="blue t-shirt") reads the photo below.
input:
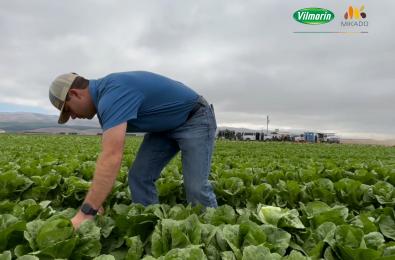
(148, 102)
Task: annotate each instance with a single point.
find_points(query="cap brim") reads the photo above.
(63, 117)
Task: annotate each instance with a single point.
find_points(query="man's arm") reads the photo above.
(107, 169)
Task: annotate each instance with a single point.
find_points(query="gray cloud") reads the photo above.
(243, 56)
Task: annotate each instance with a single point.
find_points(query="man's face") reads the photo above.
(79, 105)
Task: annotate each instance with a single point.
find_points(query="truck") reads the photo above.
(333, 139)
(248, 136)
(310, 137)
(268, 137)
(299, 138)
(328, 138)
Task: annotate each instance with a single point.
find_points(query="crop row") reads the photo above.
(277, 201)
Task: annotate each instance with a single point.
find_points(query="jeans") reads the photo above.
(195, 139)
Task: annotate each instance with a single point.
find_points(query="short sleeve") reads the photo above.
(118, 104)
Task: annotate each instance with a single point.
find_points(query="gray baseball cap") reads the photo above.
(58, 92)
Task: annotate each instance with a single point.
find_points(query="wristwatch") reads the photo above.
(87, 209)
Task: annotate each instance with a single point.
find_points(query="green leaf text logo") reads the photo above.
(313, 16)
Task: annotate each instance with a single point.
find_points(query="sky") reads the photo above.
(242, 56)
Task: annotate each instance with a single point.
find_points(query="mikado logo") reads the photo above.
(313, 16)
(355, 17)
(355, 13)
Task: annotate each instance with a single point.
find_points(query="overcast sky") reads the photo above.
(243, 56)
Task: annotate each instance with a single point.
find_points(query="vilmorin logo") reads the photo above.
(313, 16)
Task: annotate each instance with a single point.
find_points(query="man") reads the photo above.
(174, 117)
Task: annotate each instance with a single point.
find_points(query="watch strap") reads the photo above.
(87, 209)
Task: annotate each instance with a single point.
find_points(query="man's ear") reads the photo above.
(74, 93)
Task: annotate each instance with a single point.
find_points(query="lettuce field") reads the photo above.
(276, 201)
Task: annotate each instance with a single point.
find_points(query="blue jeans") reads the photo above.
(195, 139)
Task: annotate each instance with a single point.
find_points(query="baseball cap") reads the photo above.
(58, 92)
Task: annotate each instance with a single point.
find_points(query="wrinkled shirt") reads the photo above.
(148, 102)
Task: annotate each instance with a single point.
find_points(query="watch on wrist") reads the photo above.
(87, 209)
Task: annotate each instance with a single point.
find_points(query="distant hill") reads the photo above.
(65, 130)
(35, 122)
(23, 121)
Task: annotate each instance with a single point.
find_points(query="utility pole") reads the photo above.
(267, 125)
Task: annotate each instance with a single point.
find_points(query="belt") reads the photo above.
(201, 102)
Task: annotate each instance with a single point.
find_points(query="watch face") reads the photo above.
(87, 209)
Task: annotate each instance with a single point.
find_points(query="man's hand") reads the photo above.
(79, 218)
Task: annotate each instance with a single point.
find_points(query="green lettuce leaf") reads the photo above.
(88, 245)
(259, 252)
(222, 215)
(135, 250)
(9, 225)
(280, 217)
(319, 212)
(6, 255)
(387, 223)
(188, 253)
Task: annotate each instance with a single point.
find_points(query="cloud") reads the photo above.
(242, 56)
